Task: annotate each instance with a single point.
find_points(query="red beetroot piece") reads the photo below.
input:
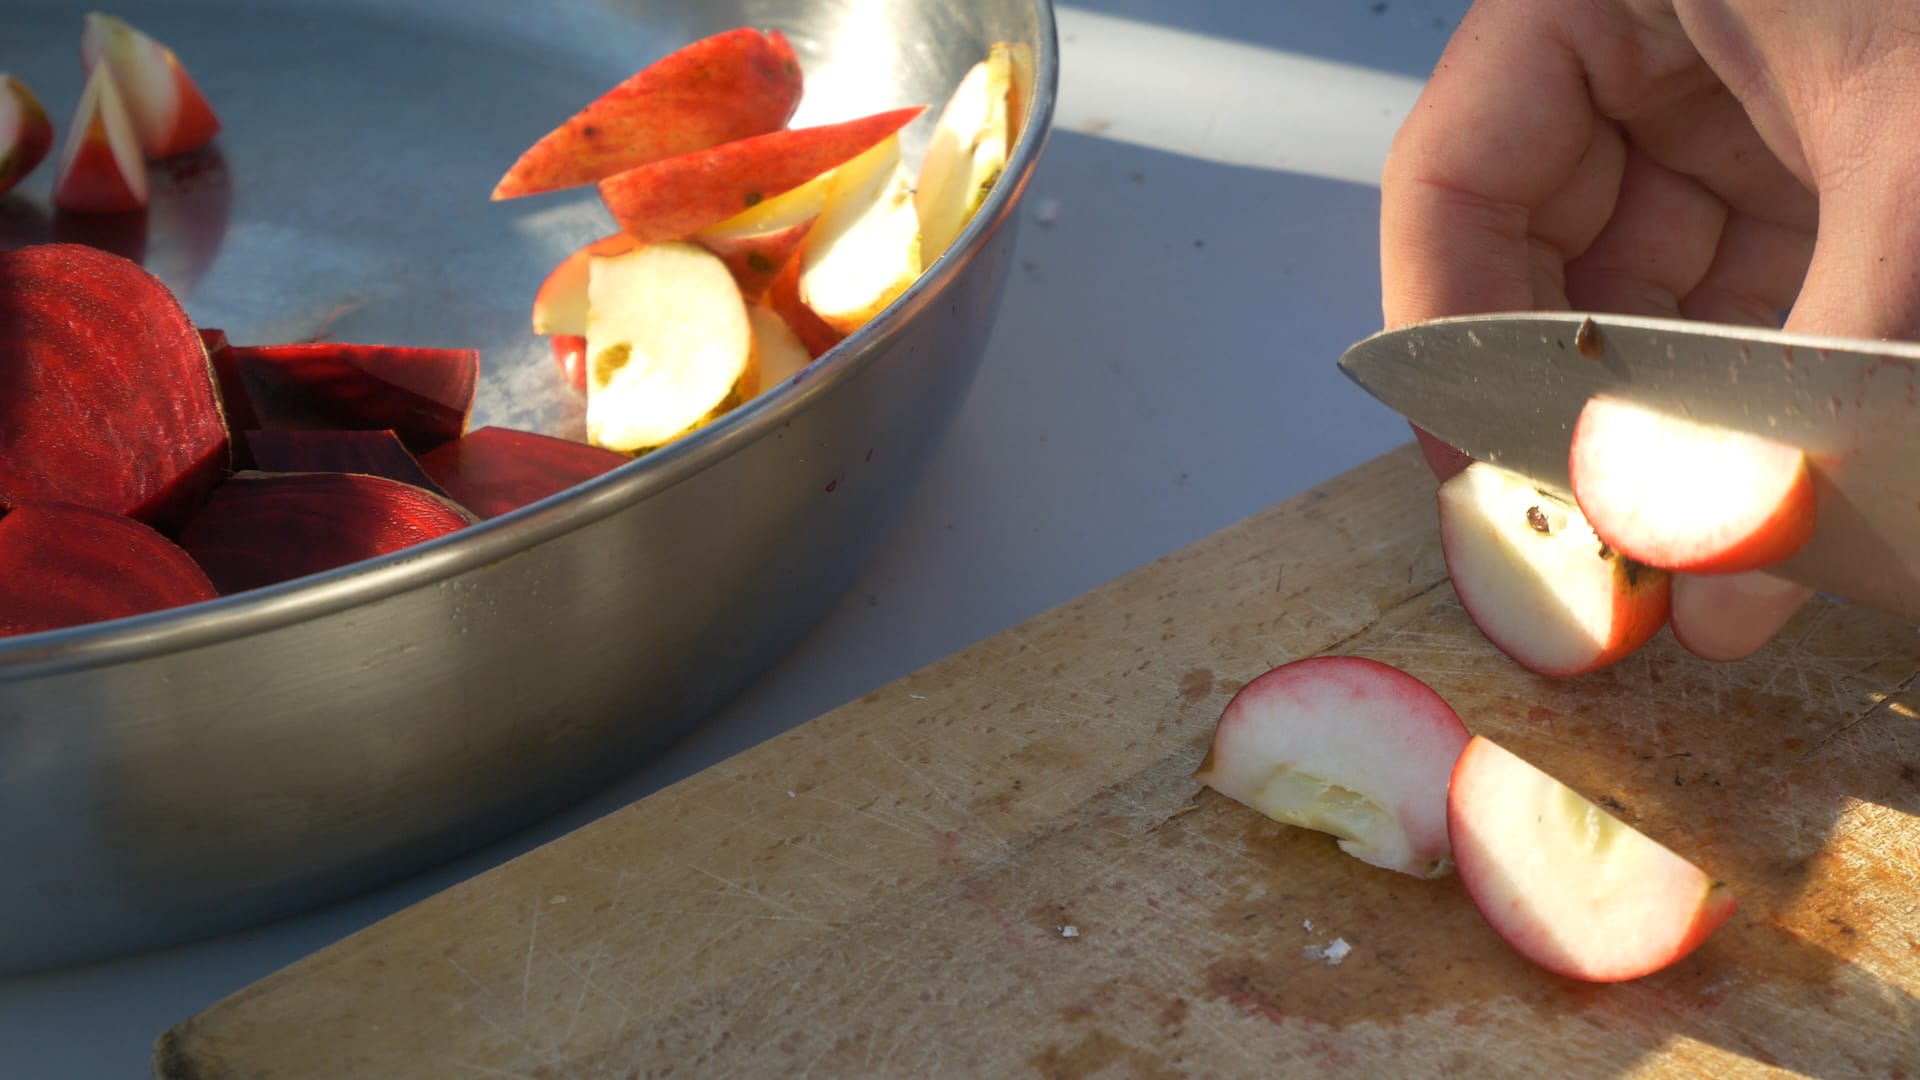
(260, 529)
(371, 453)
(106, 396)
(422, 395)
(493, 470)
(65, 565)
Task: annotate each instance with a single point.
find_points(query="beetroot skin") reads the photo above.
(65, 565)
(106, 396)
(260, 529)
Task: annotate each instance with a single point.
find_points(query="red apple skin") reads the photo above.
(756, 260)
(678, 196)
(86, 566)
(195, 124)
(731, 86)
(783, 296)
(1612, 484)
(560, 303)
(92, 180)
(1474, 860)
(570, 356)
(32, 138)
(1444, 460)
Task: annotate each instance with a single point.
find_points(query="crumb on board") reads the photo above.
(1332, 953)
(1069, 931)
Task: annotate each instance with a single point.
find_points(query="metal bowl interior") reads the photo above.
(193, 771)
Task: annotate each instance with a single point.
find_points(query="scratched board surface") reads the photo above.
(1001, 866)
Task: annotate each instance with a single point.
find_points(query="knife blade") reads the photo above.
(1507, 389)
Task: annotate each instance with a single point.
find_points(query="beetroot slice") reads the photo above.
(66, 565)
(264, 528)
(493, 470)
(422, 395)
(374, 453)
(106, 396)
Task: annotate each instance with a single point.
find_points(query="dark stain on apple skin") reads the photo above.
(1197, 685)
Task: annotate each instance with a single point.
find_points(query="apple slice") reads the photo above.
(967, 153)
(260, 529)
(758, 241)
(25, 132)
(864, 250)
(1347, 746)
(80, 565)
(560, 304)
(1537, 581)
(423, 395)
(783, 297)
(101, 170)
(1730, 616)
(730, 86)
(108, 400)
(676, 197)
(1683, 495)
(1571, 887)
(169, 113)
(493, 470)
(778, 353)
(668, 343)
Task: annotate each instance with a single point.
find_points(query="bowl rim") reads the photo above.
(29, 656)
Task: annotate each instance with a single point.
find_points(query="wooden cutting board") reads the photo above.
(1000, 866)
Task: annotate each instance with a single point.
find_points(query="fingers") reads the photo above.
(1756, 273)
(1655, 249)
(1503, 127)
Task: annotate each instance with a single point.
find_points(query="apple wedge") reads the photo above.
(758, 241)
(80, 565)
(1571, 887)
(169, 113)
(101, 169)
(1347, 746)
(864, 249)
(1537, 581)
(25, 132)
(1731, 616)
(109, 398)
(730, 86)
(1683, 495)
(560, 303)
(676, 197)
(570, 356)
(783, 297)
(967, 153)
(668, 343)
(778, 352)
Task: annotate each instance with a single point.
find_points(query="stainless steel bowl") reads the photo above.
(193, 771)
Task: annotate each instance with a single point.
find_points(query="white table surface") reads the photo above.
(1199, 244)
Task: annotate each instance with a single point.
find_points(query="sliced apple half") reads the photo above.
(101, 169)
(26, 134)
(668, 344)
(1683, 495)
(778, 352)
(758, 241)
(560, 303)
(1571, 887)
(1731, 616)
(1536, 579)
(1348, 746)
(169, 113)
(864, 250)
(967, 153)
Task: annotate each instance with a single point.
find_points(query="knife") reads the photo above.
(1506, 389)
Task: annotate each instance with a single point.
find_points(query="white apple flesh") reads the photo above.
(966, 154)
(1347, 746)
(1683, 495)
(1571, 887)
(668, 343)
(778, 354)
(1537, 581)
(864, 248)
(169, 114)
(1731, 616)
